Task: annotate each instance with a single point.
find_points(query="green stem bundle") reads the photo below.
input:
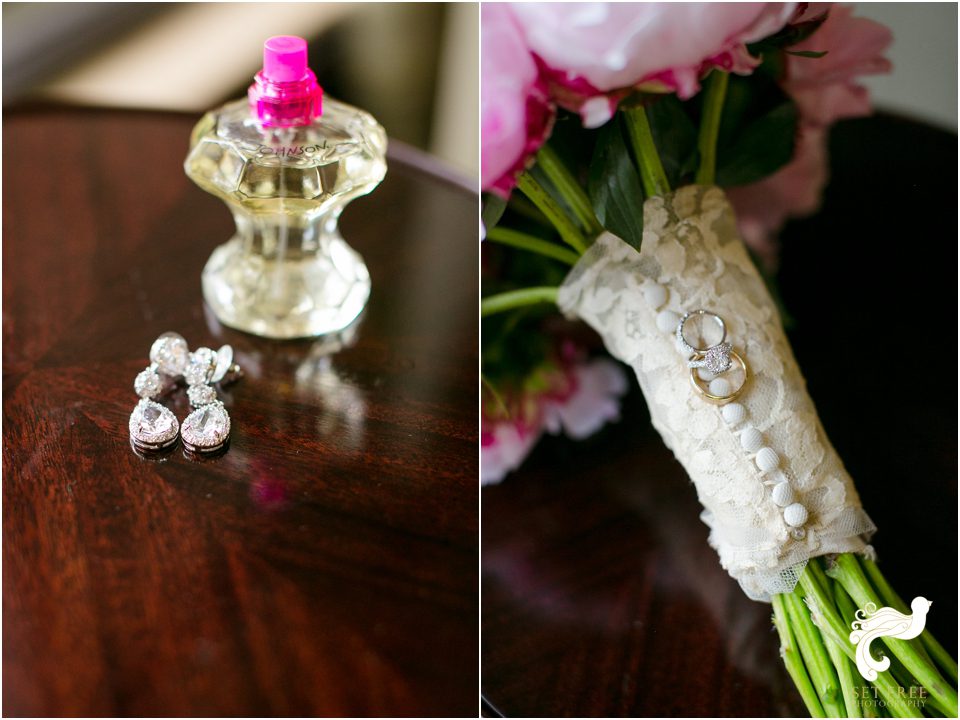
(814, 627)
(946, 663)
(818, 662)
(792, 658)
(847, 572)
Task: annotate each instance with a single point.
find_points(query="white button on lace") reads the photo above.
(767, 459)
(795, 515)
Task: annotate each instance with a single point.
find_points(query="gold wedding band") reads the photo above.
(720, 399)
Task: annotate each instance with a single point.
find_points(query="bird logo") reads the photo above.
(872, 623)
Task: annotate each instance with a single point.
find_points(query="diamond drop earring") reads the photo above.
(207, 429)
(152, 426)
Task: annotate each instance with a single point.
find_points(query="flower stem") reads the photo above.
(846, 570)
(652, 174)
(517, 298)
(847, 612)
(555, 214)
(710, 126)
(569, 189)
(890, 597)
(845, 675)
(793, 660)
(533, 244)
(845, 668)
(869, 711)
(815, 656)
(824, 614)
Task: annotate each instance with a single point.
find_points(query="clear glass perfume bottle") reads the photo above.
(286, 161)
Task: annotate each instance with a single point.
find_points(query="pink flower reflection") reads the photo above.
(267, 490)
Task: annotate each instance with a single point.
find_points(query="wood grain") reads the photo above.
(601, 597)
(327, 563)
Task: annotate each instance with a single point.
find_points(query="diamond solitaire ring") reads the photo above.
(716, 359)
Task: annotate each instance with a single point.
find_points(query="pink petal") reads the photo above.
(594, 402)
(515, 115)
(504, 448)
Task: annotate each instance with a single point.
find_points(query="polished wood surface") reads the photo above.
(601, 596)
(327, 563)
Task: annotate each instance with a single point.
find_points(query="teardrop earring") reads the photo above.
(152, 426)
(206, 430)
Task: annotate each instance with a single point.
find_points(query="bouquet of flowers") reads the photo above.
(637, 162)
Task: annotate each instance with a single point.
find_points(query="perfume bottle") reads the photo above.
(286, 161)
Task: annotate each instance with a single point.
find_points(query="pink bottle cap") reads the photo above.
(284, 58)
(285, 92)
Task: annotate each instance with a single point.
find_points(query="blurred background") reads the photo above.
(415, 66)
(924, 38)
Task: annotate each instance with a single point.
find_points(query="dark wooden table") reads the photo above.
(601, 596)
(327, 563)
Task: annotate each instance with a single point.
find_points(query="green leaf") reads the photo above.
(764, 147)
(757, 131)
(806, 53)
(491, 210)
(614, 186)
(790, 35)
(675, 136)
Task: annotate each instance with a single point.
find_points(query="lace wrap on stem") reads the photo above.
(691, 248)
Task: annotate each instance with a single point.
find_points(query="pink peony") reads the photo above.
(576, 398)
(825, 88)
(595, 53)
(515, 113)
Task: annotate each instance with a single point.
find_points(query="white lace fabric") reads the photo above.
(691, 247)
